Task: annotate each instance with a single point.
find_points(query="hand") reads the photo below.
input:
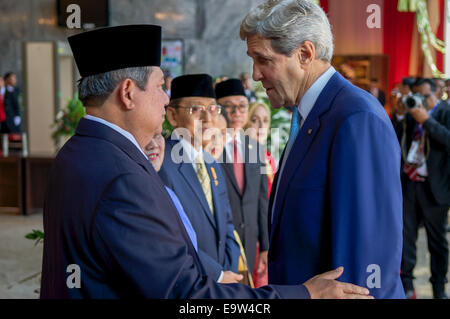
(324, 286)
(419, 114)
(230, 277)
(262, 263)
(17, 120)
(399, 107)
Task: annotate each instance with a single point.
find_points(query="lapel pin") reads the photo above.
(213, 173)
(310, 131)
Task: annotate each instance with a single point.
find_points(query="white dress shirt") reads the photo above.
(229, 146)
(189, 151)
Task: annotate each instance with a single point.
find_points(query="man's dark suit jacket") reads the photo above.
(12, 109)
(217, 247)
(107, 211)
(437, 128)
(250, 208)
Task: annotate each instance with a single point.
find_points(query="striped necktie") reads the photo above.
(203, 178)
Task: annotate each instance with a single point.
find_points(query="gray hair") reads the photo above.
(96, 88)
(288, 24)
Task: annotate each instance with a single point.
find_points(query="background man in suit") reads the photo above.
(197, 179)
(377, 92)
(337, 197)
(247, 186)
(111, 229)
(424, 134)
(248, 87)
(11, 104)
(3, 128)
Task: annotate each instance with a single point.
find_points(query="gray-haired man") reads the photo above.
(337, 198)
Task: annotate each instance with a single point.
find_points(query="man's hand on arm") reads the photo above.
(325, 286)
(230, 277)
(262, 263)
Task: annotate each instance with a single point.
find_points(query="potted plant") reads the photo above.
(67, 120)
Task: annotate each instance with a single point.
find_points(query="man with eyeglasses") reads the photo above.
(197, 179)
(247, 187)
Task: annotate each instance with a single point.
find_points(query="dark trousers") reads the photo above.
(3, 128)
(419, 205)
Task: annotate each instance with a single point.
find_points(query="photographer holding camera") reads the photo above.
(422, 123)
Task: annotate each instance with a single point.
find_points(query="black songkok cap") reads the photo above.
(229, 88)
(192, 85)
(107, 49)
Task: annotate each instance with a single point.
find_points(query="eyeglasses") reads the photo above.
(197, 110)
(231, 108)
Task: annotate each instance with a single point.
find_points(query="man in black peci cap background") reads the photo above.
(247, 187)
(111, 229)
(197, 179)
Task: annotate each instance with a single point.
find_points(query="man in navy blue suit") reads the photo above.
(337, 197)
(204, 198)
(111, 228)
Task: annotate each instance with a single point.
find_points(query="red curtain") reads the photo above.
(324, 5)
(440, 35)
(397, 31)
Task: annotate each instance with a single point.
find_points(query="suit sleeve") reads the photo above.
(366, 204)
(137, 238)
(212, 267)
(232, 249)
(439, 132)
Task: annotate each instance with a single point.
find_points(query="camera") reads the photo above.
(415, 100)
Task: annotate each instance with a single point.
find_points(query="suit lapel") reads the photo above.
(303, 141)
(219, 216)
(229, 170)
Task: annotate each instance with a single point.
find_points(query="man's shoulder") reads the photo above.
(443, 107)
(352, 100)
(94, 156)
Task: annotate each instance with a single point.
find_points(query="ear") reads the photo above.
(306, 53)
(171, 114)
(127, 93)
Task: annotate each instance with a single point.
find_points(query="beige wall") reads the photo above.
(40, 93)
(349, 23)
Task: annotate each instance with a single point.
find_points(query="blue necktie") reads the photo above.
(295, 127)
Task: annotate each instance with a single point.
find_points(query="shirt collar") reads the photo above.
(237, 137)
(118, 129)
(309, 99)
(189, 150)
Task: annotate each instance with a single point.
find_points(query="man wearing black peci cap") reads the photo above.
(247, 186)
(197, 179)
(111, 229)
